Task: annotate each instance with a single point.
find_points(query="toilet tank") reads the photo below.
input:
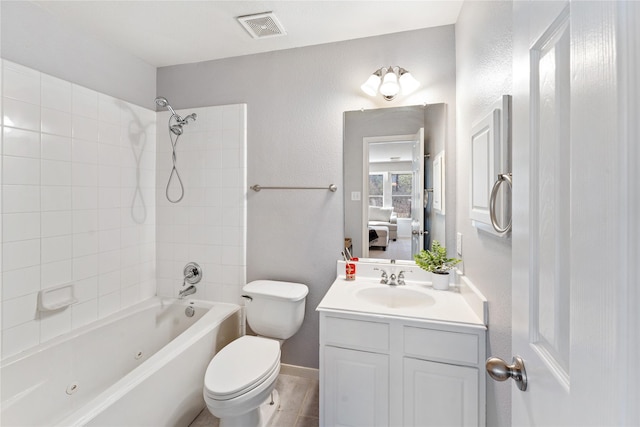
(275, 309)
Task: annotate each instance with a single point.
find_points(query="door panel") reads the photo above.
(357, 388)
(439, 395)
(550, 195)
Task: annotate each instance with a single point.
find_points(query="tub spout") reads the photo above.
(187, 291)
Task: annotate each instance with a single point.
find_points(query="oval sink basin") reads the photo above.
(395, 297)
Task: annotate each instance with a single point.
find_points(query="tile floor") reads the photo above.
(299, 404)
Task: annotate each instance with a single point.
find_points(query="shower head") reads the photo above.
(162, 102)
(176, 129)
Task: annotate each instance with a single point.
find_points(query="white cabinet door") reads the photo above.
(356, 391)
(437, 394)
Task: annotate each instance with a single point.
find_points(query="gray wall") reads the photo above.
(295, 100)
(484, 73)
(31, 36)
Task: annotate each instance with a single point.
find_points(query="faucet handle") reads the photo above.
(384, 273)
(383, 276)
(192, 273)
(401, 276)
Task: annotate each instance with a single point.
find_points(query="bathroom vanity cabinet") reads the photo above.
(382, 371)
(405, 355)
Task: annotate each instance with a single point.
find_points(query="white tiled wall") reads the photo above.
(78, 203)
(209, 225)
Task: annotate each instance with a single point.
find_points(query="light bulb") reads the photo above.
(407, 82)
(370, 87)
(389, 87)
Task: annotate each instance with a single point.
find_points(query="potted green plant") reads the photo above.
(436, 262)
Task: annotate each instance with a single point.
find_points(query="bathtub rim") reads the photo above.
(128, 311)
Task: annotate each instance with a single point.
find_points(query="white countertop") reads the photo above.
(463, 304)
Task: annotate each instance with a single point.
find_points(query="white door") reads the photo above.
(572, 270)
(417, 199)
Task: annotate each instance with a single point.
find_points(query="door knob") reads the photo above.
(500, 371)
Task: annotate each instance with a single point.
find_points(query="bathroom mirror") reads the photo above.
(389, 180)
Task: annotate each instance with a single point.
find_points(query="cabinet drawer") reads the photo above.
(441, 345)
(358, 334)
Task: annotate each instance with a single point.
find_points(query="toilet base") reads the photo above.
(259, 417)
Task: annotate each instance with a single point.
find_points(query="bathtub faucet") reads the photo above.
(187, 291)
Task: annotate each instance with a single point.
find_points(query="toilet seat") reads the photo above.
(241, 366)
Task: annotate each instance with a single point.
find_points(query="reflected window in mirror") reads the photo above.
(376, 189)
(401, 193)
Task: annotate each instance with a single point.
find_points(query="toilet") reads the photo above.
(240, 379)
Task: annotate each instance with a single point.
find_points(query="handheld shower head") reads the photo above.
(176, 129)
(175, 124)
(162, 102)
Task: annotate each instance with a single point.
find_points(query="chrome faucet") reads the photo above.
(192, 275)
(187, 291)
(392, 279)
(384, 279)
(396, 280)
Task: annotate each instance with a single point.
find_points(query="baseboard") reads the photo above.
(299, 371)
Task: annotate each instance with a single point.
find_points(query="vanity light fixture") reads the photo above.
(389, 81)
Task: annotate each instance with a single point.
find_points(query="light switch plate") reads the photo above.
(355, 196)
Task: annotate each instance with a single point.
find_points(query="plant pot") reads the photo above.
(440, 280)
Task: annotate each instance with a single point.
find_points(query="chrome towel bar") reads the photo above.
(333, 188)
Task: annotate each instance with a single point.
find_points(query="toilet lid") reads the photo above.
(287, 291)
(240, 366)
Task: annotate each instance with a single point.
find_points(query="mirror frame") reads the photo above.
(387, 122)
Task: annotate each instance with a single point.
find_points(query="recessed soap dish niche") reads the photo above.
(57, 297)
(491, 157)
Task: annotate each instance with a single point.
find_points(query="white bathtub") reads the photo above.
(143, 366)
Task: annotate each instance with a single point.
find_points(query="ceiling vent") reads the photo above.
(262, 25)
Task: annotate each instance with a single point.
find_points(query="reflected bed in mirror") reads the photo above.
(388, 178)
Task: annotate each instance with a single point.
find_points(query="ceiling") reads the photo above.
(396, 151)
(163, 33)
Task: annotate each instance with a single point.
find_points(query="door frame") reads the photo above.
(628, 14)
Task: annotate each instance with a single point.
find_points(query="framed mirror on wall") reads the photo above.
(388, 178)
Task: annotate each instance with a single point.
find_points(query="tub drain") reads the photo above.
(72, 388)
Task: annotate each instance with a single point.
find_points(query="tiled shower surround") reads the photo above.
(80, 203)
(208, 226)
(78, 190)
